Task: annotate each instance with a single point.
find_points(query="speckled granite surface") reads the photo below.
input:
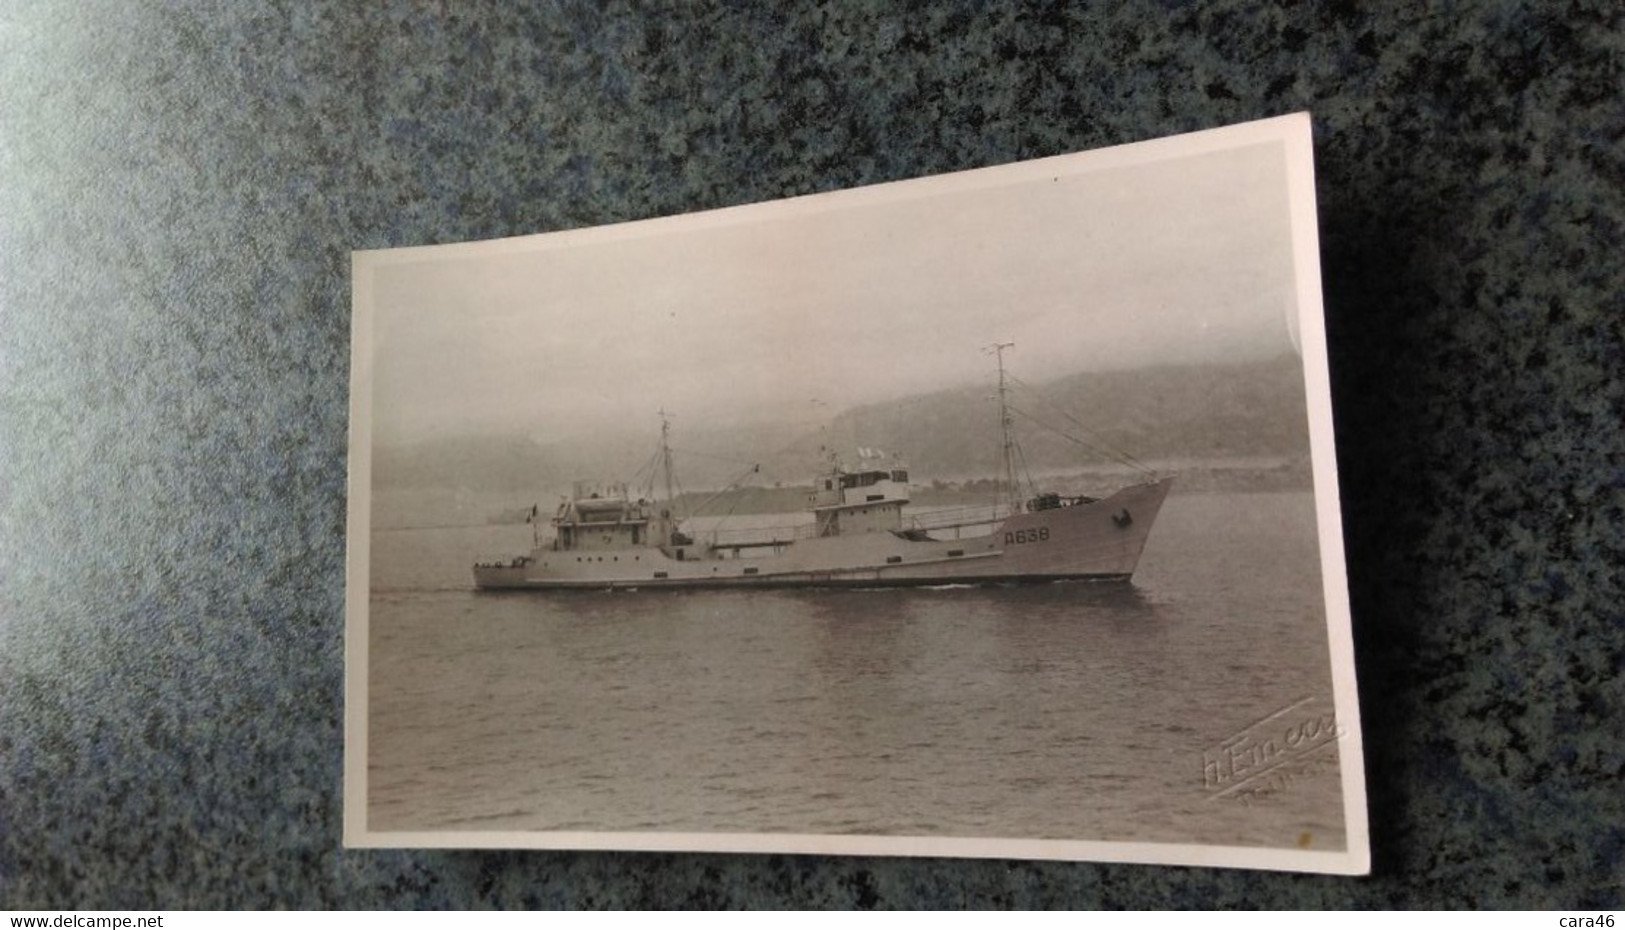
(179, 191)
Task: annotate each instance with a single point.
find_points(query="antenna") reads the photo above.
(1008, 486)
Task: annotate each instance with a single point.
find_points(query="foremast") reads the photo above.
(1009, 492)
(665, 457)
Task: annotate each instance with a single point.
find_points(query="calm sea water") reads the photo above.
(1067, 711)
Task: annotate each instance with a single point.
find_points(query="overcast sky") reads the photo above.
(800, 309)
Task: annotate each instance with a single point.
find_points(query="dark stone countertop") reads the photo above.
(179, 191)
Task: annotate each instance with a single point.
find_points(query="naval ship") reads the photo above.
(856, 533)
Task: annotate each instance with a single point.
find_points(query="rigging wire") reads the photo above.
(680, 493)
(1099, 445)
(738, 499)
(1099, 442)
(1098, 449)
(644, 478)
(712, 455)
(1027, 472)
(732, 485)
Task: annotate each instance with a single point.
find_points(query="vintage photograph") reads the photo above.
(988, 514)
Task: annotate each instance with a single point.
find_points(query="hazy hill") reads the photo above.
(1183, 413)
(1253, 410)
(704, 456)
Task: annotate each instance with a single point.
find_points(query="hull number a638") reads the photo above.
(1017, 537)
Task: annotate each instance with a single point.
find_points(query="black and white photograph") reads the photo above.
(992, 514)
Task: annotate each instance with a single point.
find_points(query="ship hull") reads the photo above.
(1101, 540)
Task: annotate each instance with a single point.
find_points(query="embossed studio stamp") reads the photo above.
(1271, 755)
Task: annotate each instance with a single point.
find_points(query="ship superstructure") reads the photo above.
(857, 530)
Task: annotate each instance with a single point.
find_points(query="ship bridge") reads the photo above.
(869, 500)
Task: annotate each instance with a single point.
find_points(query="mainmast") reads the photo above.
(1008, 452)
(665, 455)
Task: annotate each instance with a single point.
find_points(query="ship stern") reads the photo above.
(498, 575)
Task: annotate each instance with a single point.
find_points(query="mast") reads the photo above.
(1008, 454)
(665, 456)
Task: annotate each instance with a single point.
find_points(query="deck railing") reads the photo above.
(785, 534)
(951, 518)
(760, 535)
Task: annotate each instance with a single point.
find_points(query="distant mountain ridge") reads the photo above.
(1249, 410)
(1181, 413)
